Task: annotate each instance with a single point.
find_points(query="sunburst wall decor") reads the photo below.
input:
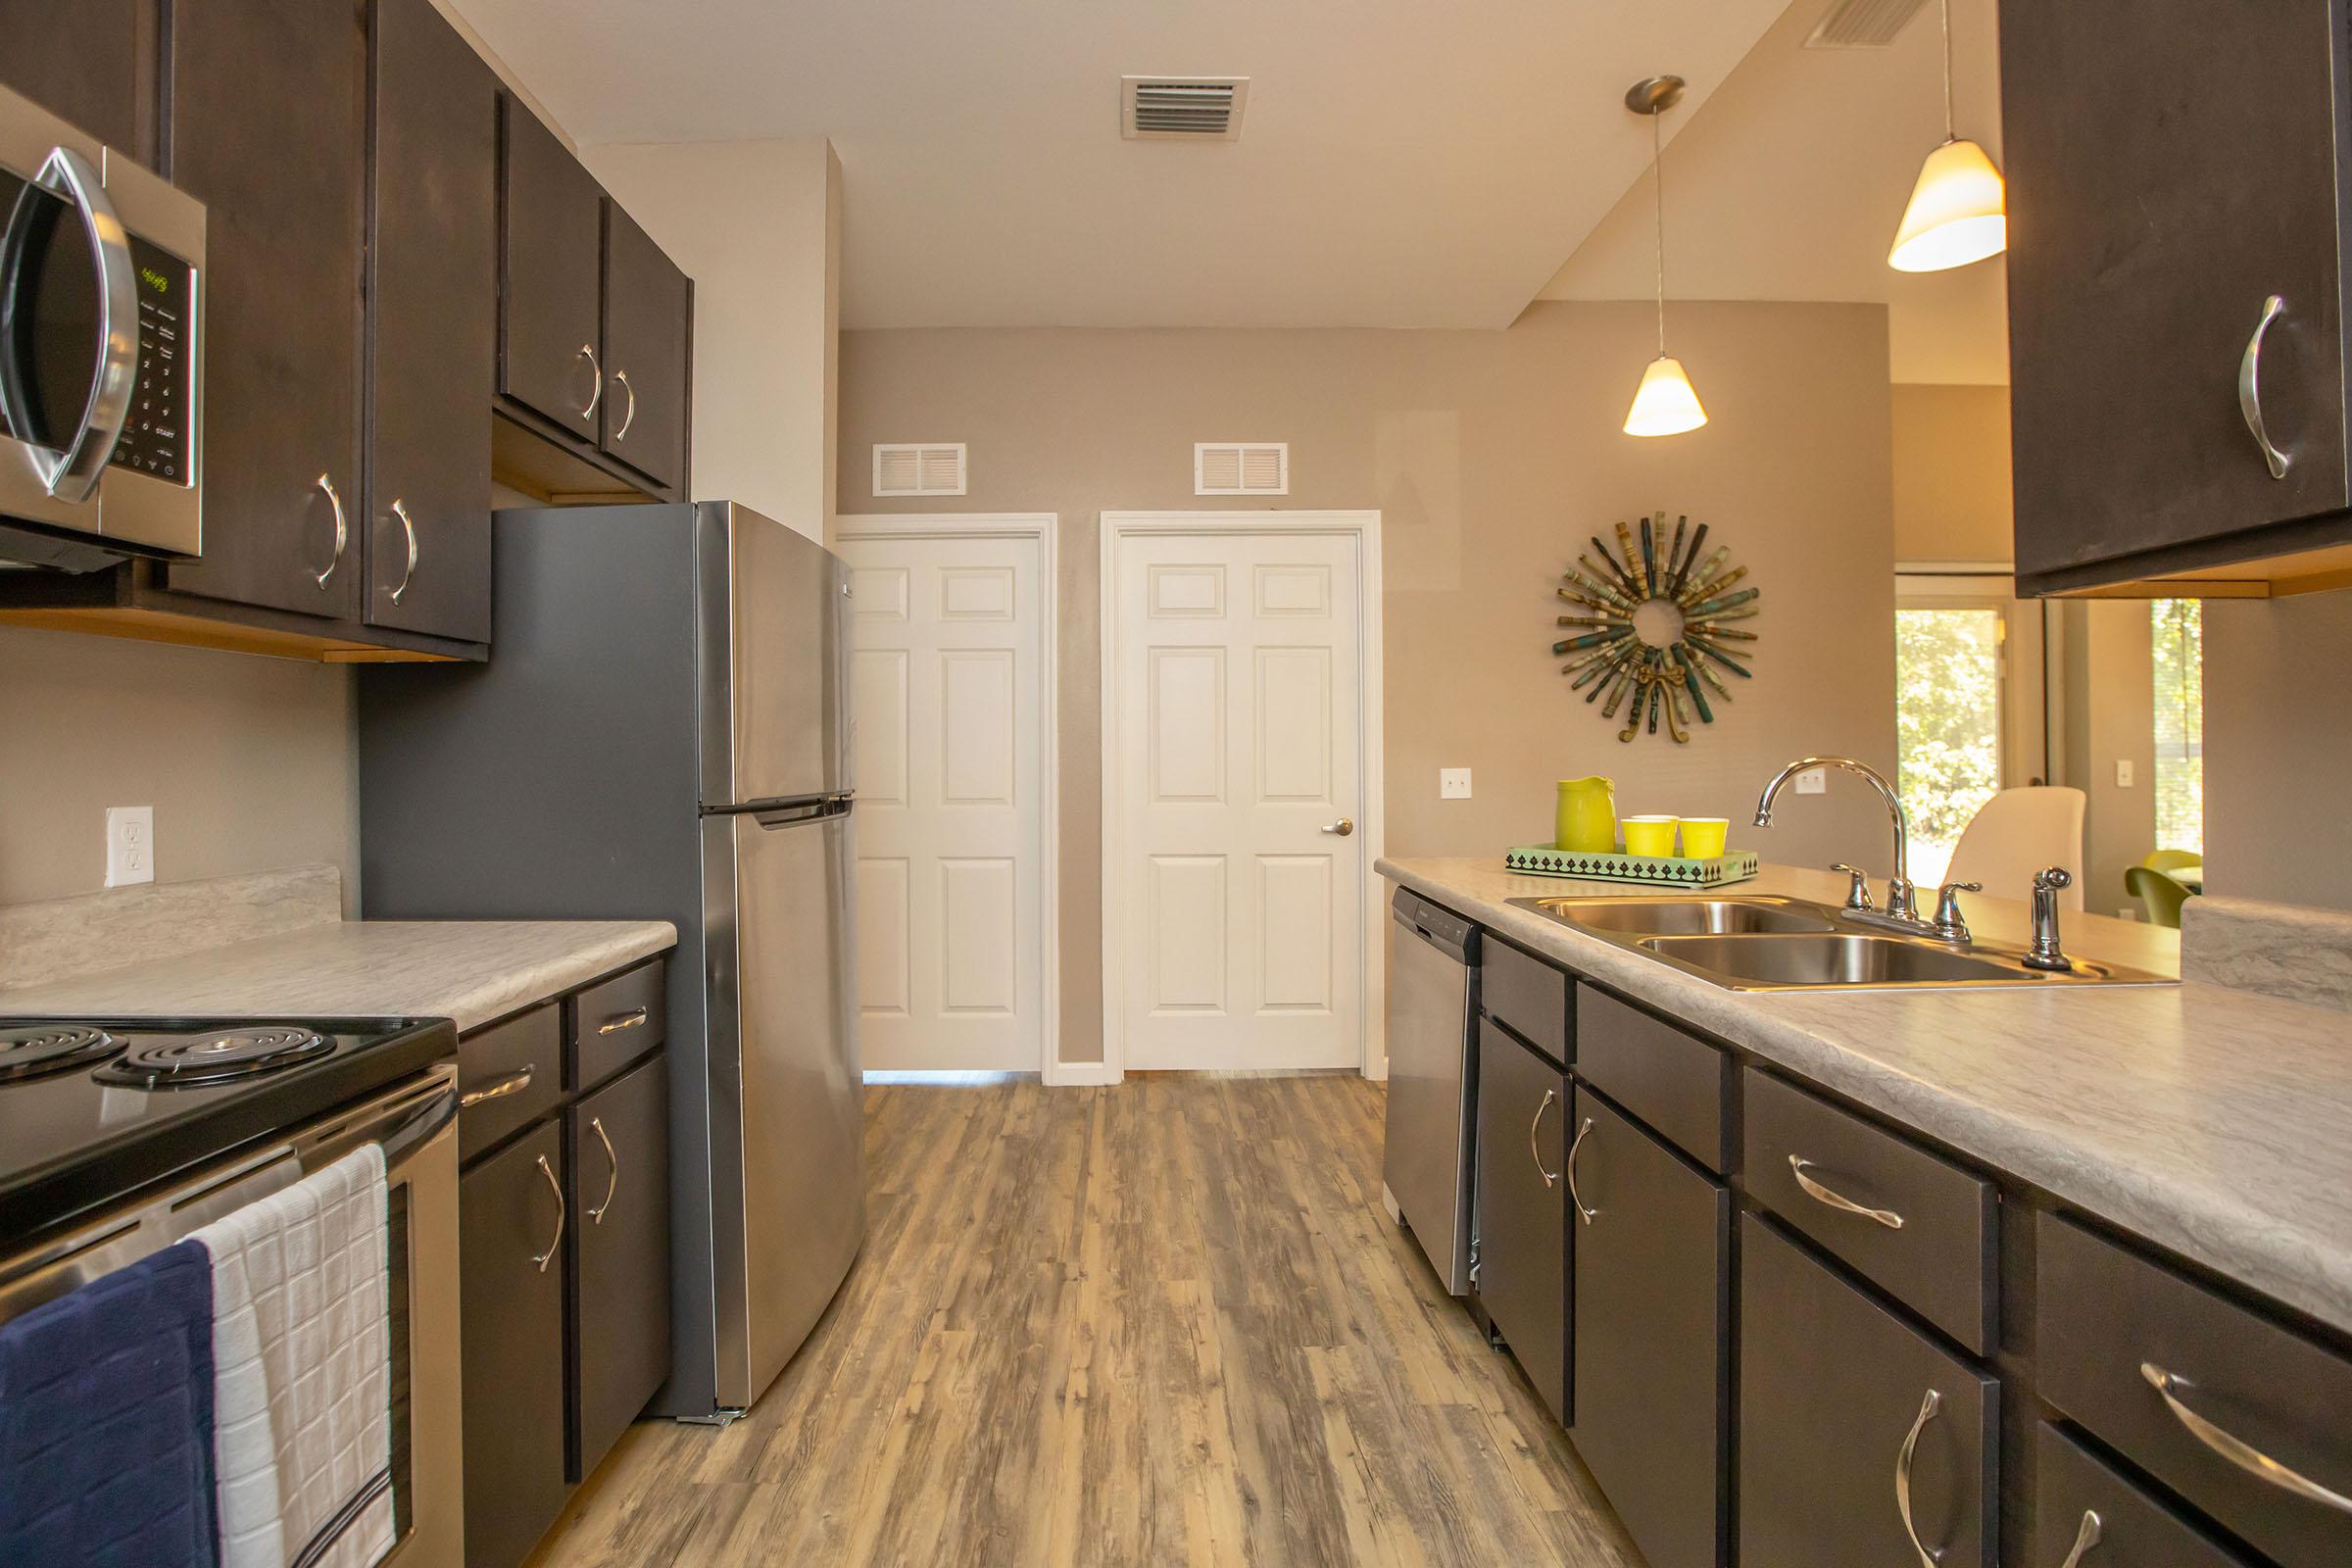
(1659, 616)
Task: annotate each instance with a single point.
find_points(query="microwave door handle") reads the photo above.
(73, 473)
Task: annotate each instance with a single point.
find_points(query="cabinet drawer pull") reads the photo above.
(1928, 1558)
(2235, 1449)
(596, 1215)
(595, 394)
(2086, 1538)
(621, 1020)
(562, 1215)
(1799, 1165)
(1535, 1154)
(342, 529)
(2249, 387)
(629, 416)
(1588, 1215)
(514, 1083)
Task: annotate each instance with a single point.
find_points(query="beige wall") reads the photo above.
(1491, 457)
(1951, 474)
(248, 761)
(757, 226)
(2106, 660)
(2278, 748)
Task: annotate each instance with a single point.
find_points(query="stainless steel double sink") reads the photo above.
(1764, 942)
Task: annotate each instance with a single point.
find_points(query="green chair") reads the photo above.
(2171, 860)
(2160, 895)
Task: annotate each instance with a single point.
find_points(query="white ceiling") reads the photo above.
(1788, 182)
(1402, 162)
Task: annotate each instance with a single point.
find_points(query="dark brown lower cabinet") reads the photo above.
(1862, 1442)
(1652, 1335)
(1523, 1208)
(2088, 1513)
(619, 1140)
(513, 1218)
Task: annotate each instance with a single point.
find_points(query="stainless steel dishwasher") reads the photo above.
(1427, 1168)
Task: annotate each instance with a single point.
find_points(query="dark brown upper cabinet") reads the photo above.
(269, 130)
(90, 62)
(549, 357)
(2174, 167)
(646, 305)
(431, 326)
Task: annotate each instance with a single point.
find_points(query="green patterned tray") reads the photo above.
(1542, 860)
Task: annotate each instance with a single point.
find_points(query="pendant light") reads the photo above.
(1956, 214)
(1664, 404)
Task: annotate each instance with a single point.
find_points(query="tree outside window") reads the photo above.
(1947, 665)
(2177, 628)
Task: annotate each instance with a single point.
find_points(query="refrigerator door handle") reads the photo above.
(803, 811)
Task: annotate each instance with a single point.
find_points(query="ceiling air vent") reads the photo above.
(1242, 468)
(918, 468)
(1182, 108)
(1862, 23)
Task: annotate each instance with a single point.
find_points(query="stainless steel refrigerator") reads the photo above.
(660, 732)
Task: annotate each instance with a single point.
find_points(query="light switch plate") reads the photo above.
(1812, 781)
(2123, 772)
(130, 845)
(1454, 783)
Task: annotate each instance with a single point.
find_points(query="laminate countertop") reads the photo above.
(2214, 1122)
(471, 971)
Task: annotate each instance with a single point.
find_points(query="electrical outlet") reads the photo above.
(130, 845)
(2127, 914)
(1813, 781)
(2123, 772)
(1454, 783)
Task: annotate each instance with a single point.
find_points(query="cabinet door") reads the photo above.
(90, 62)
(511, 1215)
(620, 1162)
(645, 353)
(269, 131)
(1523, 1208)
(1652, 1337)
(2170, 166)
(551, 277)
(1848, 1416)
(432, 326)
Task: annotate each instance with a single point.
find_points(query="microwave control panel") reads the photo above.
(154, 438)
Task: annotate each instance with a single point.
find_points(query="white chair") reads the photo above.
(2017, 833)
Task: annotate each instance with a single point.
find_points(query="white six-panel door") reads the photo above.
(1239, 745)
(948, 724)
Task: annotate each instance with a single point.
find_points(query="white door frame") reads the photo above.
(1040, 526)
(1365, 528)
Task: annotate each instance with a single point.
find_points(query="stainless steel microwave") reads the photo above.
(101, 352)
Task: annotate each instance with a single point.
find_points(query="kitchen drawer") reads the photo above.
(612, 1024)
(1527, 994)
(1914, 1222)
(2110, 1321)
(507, 1077)
(1680, 1084)
(2078, 1495)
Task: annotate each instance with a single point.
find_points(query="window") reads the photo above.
(1947, 667)
(2178, 627)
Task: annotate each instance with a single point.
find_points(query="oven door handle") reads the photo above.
(71, 474)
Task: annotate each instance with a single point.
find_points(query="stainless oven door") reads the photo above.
(416, 1123)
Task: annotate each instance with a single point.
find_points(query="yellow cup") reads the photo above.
(1651, 836)
(1702, 837)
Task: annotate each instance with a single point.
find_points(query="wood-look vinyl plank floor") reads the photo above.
(1160, 1323)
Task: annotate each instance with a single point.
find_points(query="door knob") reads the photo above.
(1342, 827)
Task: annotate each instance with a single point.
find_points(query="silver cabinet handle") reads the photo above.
(1535, 1154)
(2086, 1538)
(621, 1020)
(514, 1083)
(1928, 1558)
(2249, 387)
(342, 529)
(1799, 1165)
(409, 527)
(72, 472)
(596, 1215)
(1342, 827)
(2235, 1449)
(595, 394)
(562, 1215)
(630, 416)
(1588, 1215)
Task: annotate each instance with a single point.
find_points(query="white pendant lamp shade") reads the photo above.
(1664, 404)
(1956, 215)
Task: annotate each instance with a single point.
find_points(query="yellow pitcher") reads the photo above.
(1586, 820)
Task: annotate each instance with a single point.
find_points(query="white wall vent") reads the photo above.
(1862, 23)
(1242, 468)
(1182, 108)
(918, 468)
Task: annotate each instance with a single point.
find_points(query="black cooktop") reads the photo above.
(92, 1110)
